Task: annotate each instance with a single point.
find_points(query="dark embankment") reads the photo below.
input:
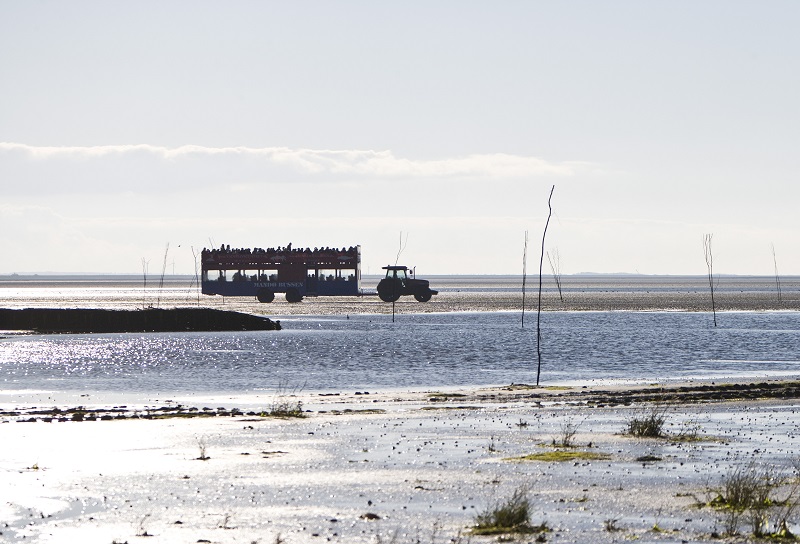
(57, 320)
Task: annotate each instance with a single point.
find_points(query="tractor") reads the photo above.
(397, 283)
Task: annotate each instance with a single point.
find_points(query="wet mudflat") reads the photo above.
(390, 467)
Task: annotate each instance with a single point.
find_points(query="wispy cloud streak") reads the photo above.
(366, 163)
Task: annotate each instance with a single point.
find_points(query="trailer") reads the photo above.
(261, 273)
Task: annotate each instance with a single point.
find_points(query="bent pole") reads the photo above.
(539, 311)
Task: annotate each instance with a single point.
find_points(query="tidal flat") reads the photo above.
(405, 434)
(389, 466)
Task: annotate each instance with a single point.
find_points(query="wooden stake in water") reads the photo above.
(710, 265)
(144, 286)
(163, 271)
(777, 277)
(524, 274)
(539, 311)
(394, 285)
(555, 268)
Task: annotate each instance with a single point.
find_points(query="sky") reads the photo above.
(430, 129)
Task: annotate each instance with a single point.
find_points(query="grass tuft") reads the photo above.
(649, 424)
(509, 516)
(567, 437)
(750, 493)
(285, 404)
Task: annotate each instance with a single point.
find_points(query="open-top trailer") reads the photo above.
(298, 273)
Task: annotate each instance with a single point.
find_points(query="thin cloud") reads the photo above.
(360, 163)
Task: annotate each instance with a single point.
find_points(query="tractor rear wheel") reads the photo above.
(389, 290)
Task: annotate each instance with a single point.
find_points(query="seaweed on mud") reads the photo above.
(560, 455)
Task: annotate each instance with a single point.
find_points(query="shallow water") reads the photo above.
(416, 350)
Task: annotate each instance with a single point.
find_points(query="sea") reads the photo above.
(364, 345)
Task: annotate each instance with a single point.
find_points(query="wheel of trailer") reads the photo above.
(265, 295)
(293, 295)
(423, 295)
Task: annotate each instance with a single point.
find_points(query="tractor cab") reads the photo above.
(397, 273)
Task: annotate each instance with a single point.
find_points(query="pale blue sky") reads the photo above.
(127, 126)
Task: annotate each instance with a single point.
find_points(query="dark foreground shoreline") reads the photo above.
(680, 393)
(89, 320)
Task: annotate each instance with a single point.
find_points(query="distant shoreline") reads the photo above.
(462, 293)
(79, 276)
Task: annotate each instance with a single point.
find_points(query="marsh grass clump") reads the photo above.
(225, 523)
(202, 445)
(285, 408)
(567, 437)
(141, 530)
(285, 402)
(750, 493)
(689, 432)
(509, 516)
(648, 425)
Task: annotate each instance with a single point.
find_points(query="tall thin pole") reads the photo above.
(539, 311)
(524, 275)
(777, 277)
(144, 285)
(163, 271)
(196, 275)
(710, 265)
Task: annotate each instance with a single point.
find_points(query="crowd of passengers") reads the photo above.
(241, 276)
(317, 251)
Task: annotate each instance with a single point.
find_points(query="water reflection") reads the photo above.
(419, 350)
